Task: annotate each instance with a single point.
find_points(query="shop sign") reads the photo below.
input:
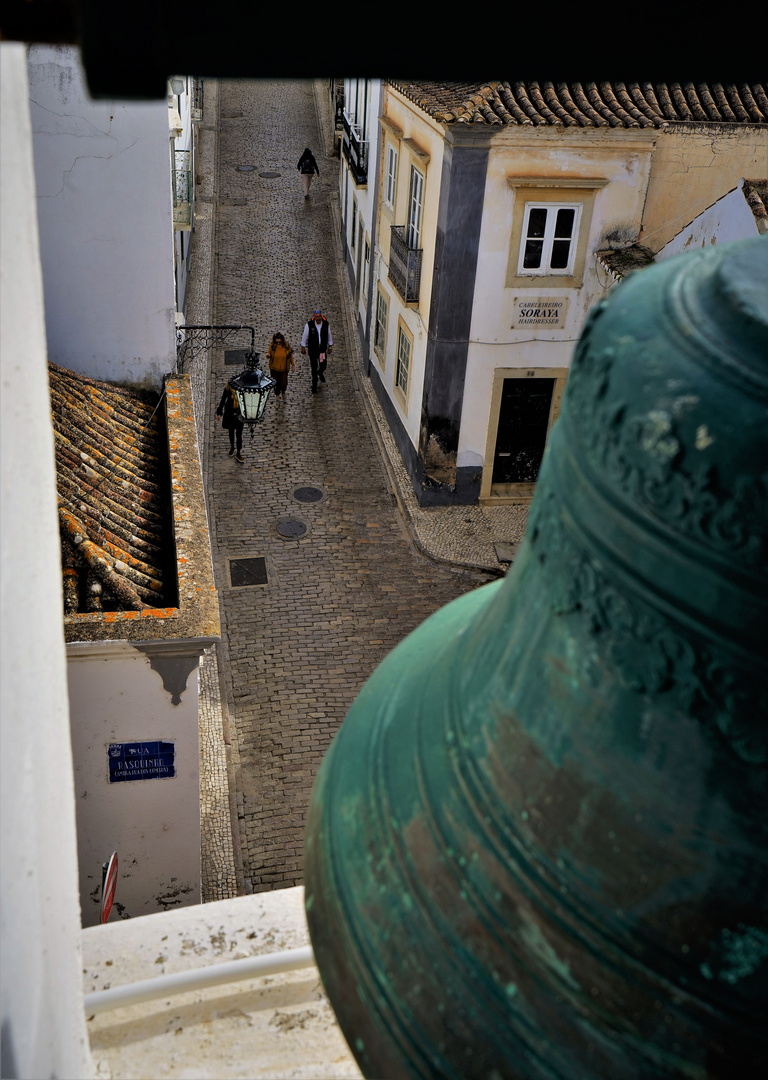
(545, 311)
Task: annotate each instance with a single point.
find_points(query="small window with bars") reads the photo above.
(550, 233)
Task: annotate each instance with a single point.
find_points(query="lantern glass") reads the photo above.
(253, 402)
(253, 388)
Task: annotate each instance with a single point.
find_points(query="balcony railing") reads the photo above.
(197, 101)
(404, 265)
(182, 188)
(355, 150)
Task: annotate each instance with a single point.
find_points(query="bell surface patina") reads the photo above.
(537, 846)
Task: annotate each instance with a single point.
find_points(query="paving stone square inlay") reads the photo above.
(244, 572)
(235, 356)
(308, 494)
(291, 530)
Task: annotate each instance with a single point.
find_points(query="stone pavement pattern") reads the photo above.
(295, 652)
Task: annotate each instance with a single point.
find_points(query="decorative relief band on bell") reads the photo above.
(652, 561)
(644, 456)
(649, 655)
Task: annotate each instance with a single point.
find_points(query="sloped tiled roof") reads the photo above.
(619, 262)
(756, 194)
(589, 104)
(113, 495)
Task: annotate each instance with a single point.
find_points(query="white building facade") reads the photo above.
(358, 174)
(105, 210)
(493, 201)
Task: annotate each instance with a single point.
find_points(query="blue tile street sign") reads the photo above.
(141, 761)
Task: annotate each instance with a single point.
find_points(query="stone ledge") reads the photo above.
(273, 1027)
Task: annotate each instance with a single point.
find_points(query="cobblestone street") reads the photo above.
(295, 651)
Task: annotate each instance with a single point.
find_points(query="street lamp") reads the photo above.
(253, 388)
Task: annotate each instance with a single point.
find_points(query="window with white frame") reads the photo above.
(380, 330)
(550, 232)
(403, 370)
(415, 207)
(366, 268)
(390, 182)
(354, 225)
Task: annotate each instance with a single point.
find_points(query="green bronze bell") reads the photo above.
(537, 846)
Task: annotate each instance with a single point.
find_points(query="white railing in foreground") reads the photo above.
(252, 967)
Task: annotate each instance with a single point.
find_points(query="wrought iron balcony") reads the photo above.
(182, 189)
(404, 265)
(355, 150)
(197, 101)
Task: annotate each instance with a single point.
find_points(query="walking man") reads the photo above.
(318, 342)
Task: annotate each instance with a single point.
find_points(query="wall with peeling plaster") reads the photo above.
(103, 175)
(693, 166)
(121, 693)
(727, 220)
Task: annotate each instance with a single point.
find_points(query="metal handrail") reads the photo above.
(180, 982)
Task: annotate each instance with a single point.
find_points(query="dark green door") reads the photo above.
(522, 433)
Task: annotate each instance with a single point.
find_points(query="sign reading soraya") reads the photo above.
(141, 761)
(549, 311)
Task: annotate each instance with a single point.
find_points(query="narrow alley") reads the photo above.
(344, 581)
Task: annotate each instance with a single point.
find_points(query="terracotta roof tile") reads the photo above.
(593, 104)
(756, 194)
(622, 261)
(113, 495)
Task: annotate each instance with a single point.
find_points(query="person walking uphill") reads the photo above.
(318, 342)
(232, 421)
(279, 356)
(307, 166)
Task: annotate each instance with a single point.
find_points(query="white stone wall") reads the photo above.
(117, 696)
(356, 91)
(103, 175)
(730, 218)
(43, 1026)
(419, 133)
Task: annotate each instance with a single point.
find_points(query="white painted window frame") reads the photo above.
(403, 362)
(390, 187)
(415, 208)
(380, 329)
(544, 269)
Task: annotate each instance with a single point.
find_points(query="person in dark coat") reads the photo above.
(318, 342)
(307, 166)
(232, 422)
